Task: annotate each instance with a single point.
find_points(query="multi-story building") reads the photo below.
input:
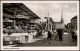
(74, 23)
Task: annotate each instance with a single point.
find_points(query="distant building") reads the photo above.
(59, 25)
(74, 23)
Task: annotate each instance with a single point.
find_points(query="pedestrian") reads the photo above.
(73, 35)
(76, 35)
(49, 36)
(55, 34)
(60, 33)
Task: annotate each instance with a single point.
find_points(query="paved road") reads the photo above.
(67, 41)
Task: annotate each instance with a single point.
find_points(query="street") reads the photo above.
(67, 41)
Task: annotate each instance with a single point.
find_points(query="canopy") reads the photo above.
(9, 8)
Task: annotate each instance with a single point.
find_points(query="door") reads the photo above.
(26, 39)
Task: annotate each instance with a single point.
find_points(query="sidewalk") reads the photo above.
(67, 41)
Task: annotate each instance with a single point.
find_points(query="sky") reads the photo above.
(55, 10)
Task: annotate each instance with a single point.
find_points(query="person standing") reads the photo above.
(60, 33)
(73, 35)
(55, 34)
(49, 36)
(76, 35)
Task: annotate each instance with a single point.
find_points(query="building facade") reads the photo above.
(59, 25)
(74, 23)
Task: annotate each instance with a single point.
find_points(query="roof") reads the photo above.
(9, 9)
(75, 17)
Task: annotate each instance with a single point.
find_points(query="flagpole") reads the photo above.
(48, 21)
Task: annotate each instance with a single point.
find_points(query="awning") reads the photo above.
(9, 7)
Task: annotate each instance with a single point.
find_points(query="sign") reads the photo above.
(22, 16)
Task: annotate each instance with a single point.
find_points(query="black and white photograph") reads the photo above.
(40, 24)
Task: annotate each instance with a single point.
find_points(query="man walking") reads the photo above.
(60, 33)
(49, 36)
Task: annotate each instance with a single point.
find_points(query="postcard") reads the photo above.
(39, 25)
